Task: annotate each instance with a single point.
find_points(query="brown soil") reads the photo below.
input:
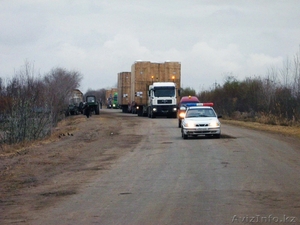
(37, 176)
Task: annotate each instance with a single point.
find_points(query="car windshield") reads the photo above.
(200, 113)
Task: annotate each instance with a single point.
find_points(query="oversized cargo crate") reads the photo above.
(144, 73)
(107, 96)
(172, 72)
(124, 88)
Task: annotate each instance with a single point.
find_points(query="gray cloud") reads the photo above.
(102, 38)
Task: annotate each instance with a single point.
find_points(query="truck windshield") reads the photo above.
(90, 99)
(164, 92)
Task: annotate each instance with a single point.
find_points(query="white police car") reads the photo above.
(200, 119)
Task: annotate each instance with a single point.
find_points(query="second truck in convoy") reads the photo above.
(150, 89)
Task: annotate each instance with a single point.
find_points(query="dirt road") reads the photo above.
(121, 169)
(36, 177)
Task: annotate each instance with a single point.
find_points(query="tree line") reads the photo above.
(30, 105)
(273, 98)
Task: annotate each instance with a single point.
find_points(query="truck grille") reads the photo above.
(164, 101)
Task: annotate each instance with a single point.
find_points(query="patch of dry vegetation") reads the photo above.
(65, 126)
(264, 125)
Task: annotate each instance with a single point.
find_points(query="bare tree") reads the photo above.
(270, 83)
(286, 72)
(22, 101)
(296, 84)
(59, 86)
(31, 105)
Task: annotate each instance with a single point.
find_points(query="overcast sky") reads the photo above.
(100, 38)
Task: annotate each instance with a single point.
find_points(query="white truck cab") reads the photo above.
(162, 100)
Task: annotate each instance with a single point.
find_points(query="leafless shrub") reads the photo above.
(31, 106)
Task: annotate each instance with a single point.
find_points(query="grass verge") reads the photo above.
(285, 130)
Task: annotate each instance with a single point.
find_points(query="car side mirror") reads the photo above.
(182, 108)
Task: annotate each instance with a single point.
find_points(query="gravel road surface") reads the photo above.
(123, 169)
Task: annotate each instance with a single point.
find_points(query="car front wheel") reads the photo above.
(217, 135)
(183, 135)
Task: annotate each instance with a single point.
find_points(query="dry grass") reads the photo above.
(285, 130)
(67, 125)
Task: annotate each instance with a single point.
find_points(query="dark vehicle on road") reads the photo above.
(182, 106)
(91, 105)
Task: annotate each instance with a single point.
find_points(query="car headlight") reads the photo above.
(182, 115)
(189, 124)
(174, 109)
(137, 107)
(214, 124)
(154, 109)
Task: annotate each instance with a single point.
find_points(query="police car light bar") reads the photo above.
(200, 104)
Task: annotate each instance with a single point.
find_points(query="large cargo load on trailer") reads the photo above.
(144, 74)
(124, 87)
(108, 98)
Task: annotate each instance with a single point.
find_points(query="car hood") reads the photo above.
(201, 119)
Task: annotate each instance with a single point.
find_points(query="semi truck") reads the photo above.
(109, 95)
(115, 104)
(148, 79)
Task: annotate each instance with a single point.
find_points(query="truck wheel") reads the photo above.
(152, 115)
(97, 111)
